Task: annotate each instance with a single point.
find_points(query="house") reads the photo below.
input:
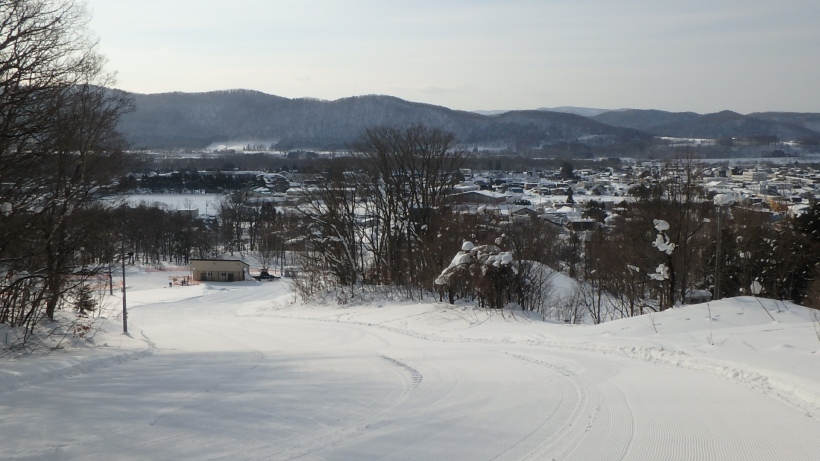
(219, 270)
(581, 225)
(479, 196)
(523, 212)
(697, 296)
(190, 213)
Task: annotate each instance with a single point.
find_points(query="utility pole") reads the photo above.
(717, 254)
(124, 309)
(722, 201)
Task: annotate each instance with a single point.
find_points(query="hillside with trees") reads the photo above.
(725, 124)
(196, 120)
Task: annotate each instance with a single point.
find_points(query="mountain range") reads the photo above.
(198, 120)
(725, 124)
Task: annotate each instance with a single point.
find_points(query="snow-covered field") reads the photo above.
(205, 203)
(242, 371)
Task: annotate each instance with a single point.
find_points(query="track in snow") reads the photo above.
(225, 387)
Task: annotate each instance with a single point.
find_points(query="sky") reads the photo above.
(702, 55)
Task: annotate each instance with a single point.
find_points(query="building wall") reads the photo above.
(479, 197)
(754, 176)
(208, 270)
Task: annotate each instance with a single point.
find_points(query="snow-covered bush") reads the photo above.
(484, 272)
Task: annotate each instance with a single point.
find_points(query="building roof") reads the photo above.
(221, 260)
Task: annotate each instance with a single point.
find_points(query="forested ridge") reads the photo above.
(198, 120)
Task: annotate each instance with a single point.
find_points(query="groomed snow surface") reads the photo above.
(244, 371)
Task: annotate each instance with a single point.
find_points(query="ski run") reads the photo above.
(246, 371)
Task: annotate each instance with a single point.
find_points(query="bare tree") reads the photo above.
(235, 214)
(409, 171)
(678, 201)
(334, 232)
(58, 143)
(532, 241)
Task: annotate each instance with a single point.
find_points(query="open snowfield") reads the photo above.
(241, 371)
(205, 203)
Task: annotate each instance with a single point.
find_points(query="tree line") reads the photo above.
(386, 221)
(58, 146)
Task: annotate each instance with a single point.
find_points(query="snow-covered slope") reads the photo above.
(227, 371)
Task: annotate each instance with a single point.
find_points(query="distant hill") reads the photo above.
(726, 124)
(644, 120)
(807, 120)
(490, 112)
(197, 120)
(583, 111)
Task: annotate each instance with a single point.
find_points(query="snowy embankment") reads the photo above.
(220, 371)
(55, 351)
(739, 342)
(58, 352)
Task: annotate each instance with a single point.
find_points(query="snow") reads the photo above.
(245, 371)
(661, 273)
(661, 225)
(205, 203)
